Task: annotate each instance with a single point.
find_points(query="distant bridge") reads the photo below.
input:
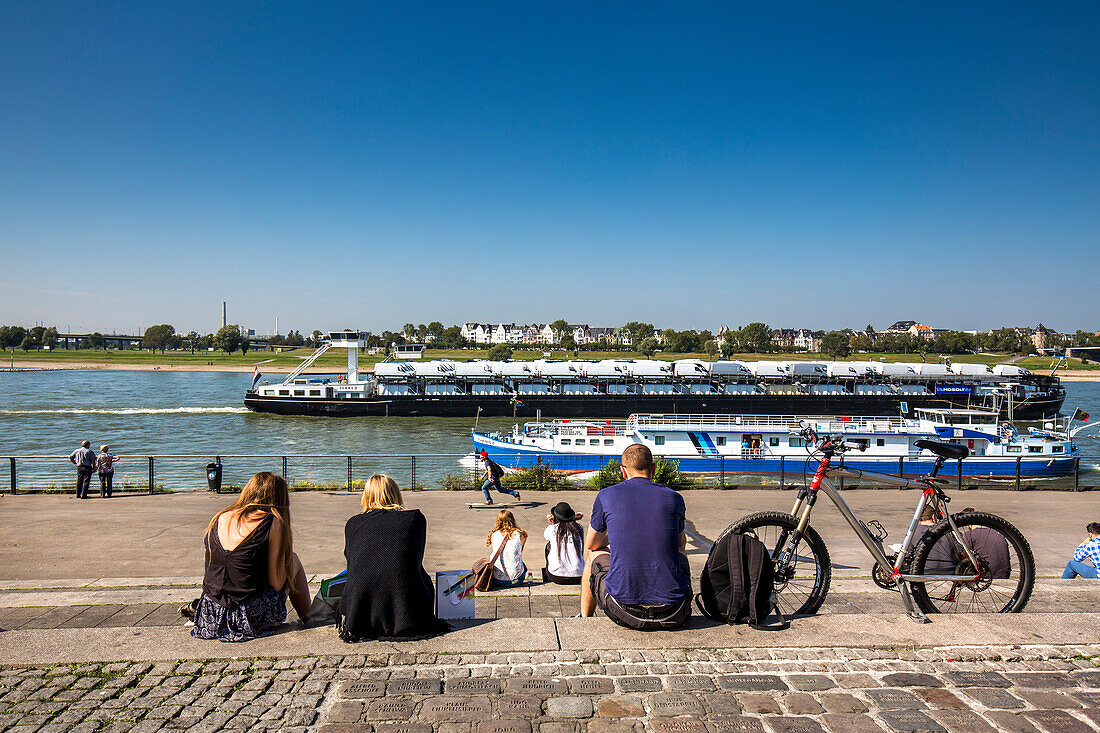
(110, 341)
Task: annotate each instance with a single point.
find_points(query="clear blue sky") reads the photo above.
(367, 164)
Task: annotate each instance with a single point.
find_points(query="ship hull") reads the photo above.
(513, 456)
(622, 406)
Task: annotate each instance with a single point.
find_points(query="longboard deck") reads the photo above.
(496, 506)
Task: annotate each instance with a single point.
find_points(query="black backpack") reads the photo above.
(738, 583)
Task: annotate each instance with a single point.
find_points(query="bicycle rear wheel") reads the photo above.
(1002, 581)
(800, 586)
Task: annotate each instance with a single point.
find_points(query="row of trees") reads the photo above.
(27, 339)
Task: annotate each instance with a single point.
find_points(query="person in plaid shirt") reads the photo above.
(1089, 550)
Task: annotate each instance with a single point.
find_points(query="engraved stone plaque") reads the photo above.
(910, 720)
(978, 679)
(388, 710)
(639, 684)
(402, 728)
(591, 685)
(504, 726)
(362, 688)
(690, 682)
(737, 724)
(894, 699)
(542, 686)
(524, 706)
(418, 686)
(794, 724)
(674, 703)
(751, 682)
(678, 725)
(473, 686)
(457, 709)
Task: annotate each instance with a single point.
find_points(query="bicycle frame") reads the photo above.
(822, 482)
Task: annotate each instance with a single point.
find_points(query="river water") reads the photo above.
(142, 413)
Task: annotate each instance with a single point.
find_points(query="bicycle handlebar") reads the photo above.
(830, 444)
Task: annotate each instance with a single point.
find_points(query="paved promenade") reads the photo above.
(89, 592)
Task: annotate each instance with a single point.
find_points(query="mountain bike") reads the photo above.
(971, 562)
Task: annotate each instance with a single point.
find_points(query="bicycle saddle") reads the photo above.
(944, 450)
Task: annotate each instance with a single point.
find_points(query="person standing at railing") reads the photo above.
(84, 460)
(105, 465)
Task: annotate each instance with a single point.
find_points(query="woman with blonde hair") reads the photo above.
(508, 570)
(250, 565)
(388, 595)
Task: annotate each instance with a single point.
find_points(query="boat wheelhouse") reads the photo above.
(769, 444)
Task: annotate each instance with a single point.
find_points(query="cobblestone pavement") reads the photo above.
(1045, 689)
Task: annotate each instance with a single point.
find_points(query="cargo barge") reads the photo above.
(615, 388)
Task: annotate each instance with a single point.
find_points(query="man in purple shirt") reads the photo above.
(634, 566)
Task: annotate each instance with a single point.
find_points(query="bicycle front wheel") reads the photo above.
(1002, 580)
(803, 580)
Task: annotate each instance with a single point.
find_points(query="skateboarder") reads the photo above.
(493, 474)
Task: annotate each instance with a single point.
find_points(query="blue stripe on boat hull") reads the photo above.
(516, 456)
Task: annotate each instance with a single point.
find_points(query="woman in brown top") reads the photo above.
(251, 567)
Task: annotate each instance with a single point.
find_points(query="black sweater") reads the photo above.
(388, 595)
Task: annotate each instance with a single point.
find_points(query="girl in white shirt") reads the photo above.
(508, 570)
(564, 558)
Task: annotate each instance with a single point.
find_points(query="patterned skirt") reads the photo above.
(259, 616)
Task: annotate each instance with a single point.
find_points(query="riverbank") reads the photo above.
(1073, 375)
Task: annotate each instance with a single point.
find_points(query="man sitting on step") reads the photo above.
(634, 566)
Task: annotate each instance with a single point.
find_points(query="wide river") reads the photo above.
(142, 413)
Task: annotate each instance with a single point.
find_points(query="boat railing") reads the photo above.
(835, 423)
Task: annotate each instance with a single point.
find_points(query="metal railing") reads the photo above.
(186, 472)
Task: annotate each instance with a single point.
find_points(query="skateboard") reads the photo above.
(497, 505)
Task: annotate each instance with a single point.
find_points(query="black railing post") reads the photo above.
(782, 471)
(284, 467)
(959, 481)
(901, 466)
(842, 478)
(349, 473)
(1018, 459)
(412, 471)
(538, 473)
(152, 475)
(1076, 475)
(13, 489)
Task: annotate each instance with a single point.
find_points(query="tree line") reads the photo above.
(753, 338)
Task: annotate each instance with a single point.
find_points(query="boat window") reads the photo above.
(880, 441)
(608, 441)
(1035, 449)
(1057, 448)
(284, 392)
(773, 441)
(566, 441)
(1012, 448)
(721, 440)
(593, 441)
(658, 440)
(299, 393)
(796, 442)
(315, 393)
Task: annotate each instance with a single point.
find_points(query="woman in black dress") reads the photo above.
(250, 566)
(388, 595)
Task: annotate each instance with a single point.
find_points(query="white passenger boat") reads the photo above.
(764, 443)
